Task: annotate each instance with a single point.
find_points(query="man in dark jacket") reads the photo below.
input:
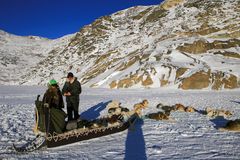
(72, 89)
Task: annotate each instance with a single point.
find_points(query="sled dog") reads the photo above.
(158, 116)
(217, 112)
(232, 126)
(140, 106)
(190, 109)
(180, 107)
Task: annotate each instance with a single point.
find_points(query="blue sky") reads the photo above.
(56, 18)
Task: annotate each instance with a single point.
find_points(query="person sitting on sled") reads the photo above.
(53, 104)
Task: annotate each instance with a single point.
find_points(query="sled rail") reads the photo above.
(78, 135)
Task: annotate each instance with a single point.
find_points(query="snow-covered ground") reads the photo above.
(191, 136)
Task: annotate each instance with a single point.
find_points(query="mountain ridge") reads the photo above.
(177, 44)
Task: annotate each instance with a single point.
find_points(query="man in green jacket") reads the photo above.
(72, 89)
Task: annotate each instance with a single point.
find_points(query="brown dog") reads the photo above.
(217, 112)
(168, 109)
(180, 107)
(158, 116)
(232, 126)
(139, 106)
(190, 109)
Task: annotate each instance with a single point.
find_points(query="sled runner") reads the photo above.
(32, 145)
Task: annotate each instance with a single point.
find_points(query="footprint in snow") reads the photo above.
(157, 149)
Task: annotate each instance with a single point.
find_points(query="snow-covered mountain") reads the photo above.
(188, 44)
(18, 54)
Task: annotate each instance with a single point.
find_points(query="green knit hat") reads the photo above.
(52, 82)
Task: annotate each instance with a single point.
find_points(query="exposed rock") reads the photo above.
(230, 82)
(141, 14)
(113, 84)
(227, 54)
(180, 71)
(202, 46)
(197, 80)
(222, 80)
(163, 82)
(171, 3)
(148, 81)
(156, 14)
(217, 80)
(125, 83)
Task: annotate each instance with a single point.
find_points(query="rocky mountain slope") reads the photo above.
(19, 54)
(188, 44)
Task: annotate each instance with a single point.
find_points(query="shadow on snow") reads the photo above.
(219, 122)
(135, 143)
(235, 102)
(94, 112)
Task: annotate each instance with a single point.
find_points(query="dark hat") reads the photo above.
(70, 74)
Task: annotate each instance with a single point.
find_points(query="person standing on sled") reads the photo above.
(53, 103)
(72, 89)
